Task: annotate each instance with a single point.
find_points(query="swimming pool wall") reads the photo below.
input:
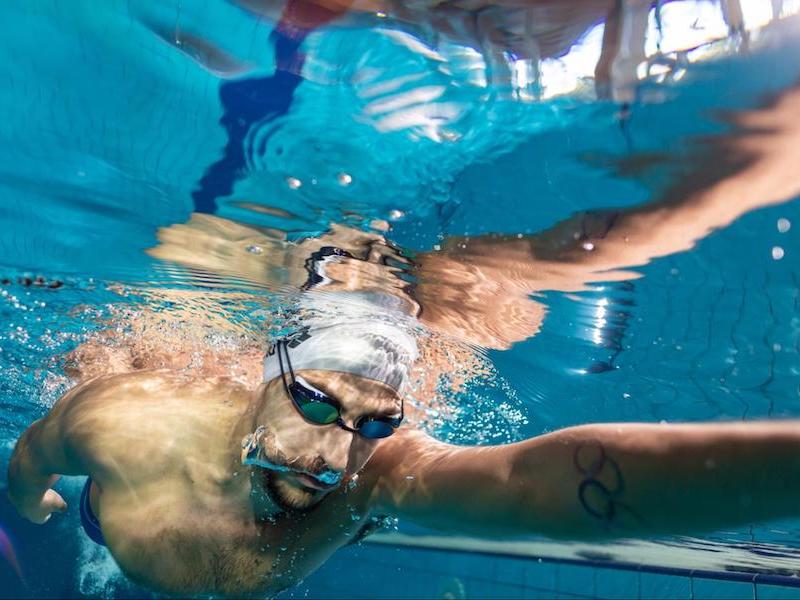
(395, 571)
(59, 561)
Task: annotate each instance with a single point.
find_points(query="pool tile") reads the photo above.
(573, 581)
(539, 579)
(610, 584)
(710, 589)
(510, 570)
(777, 592)
(500, 591)
(665, 587)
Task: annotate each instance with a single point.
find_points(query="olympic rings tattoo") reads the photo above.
(601, 500)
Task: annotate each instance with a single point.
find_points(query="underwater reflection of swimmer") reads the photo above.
(206, 485)
(522, 29)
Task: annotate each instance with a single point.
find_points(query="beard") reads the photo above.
(276, 476)
(288, 497)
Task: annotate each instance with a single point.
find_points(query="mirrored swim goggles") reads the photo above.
(320, 409)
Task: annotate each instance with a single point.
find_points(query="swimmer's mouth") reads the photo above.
(310, 481)
(254, 455)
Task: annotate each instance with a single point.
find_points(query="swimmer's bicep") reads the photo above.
(50, 445)
(38, 459)
(527, 488)
(43, 449)
(603, 480)
(468, 490)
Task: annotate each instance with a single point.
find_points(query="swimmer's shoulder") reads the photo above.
(159, 413)
(152, 384)
(134, 401)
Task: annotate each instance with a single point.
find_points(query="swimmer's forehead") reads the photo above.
(354, 391)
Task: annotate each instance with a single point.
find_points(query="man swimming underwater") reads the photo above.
(205, 484)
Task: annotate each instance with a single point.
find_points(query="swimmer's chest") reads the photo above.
(187, 548)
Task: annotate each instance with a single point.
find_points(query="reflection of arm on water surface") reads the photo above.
(478, 289)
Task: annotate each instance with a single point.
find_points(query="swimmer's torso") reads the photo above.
(175, 505)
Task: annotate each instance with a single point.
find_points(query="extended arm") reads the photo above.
(599, 481)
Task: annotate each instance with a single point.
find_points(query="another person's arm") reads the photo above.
(598, 481)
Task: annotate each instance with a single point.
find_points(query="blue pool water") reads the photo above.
(121, 118)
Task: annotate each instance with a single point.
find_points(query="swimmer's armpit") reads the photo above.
(598, 481)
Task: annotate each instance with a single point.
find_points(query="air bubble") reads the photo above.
(344, 179)
(293, 182)
(450, 136)
(588, 246)
(777, 253)
(254, 249)
(784, 225)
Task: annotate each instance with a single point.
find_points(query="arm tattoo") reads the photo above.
(601, 499)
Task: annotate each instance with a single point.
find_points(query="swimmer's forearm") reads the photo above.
(598, 481)
(633, 479)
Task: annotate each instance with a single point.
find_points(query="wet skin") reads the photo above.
(178, 510)
(182, 515)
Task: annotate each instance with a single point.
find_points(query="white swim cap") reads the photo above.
(366, 334)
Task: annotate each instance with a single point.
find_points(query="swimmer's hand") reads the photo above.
(40, 512)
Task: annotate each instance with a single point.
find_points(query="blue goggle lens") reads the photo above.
(375, 429)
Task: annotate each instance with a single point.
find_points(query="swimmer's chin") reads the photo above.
(293, 496)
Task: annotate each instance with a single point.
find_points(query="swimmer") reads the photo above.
(207, 485)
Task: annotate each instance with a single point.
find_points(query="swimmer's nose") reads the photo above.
(336, 454)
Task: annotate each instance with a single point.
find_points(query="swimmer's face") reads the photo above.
(313, 460)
